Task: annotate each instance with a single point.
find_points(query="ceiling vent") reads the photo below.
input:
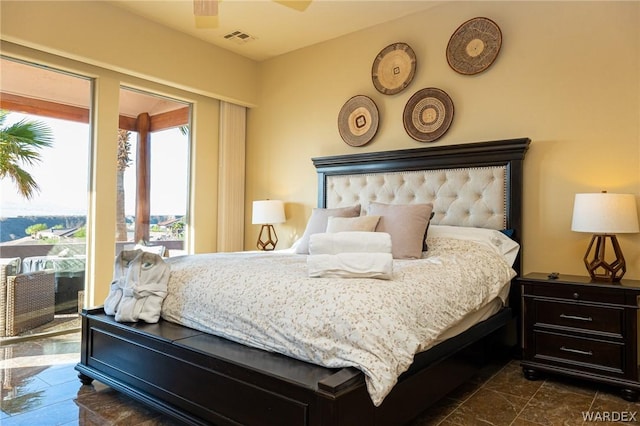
(239, 37)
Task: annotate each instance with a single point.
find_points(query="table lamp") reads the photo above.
(266, 213)
(605, 215)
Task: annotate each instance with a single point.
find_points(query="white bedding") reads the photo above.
(267, 300)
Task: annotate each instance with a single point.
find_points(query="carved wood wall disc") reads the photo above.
(474, 46)
(394, 68)
(428, 114)
(358, 120)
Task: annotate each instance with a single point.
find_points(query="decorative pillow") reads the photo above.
(406, 223)
(425, 247)
(318, 223)
(352, 224)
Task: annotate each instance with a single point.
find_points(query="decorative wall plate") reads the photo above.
(474, 46)
(428, 114)
(394, 68)
(358, 120)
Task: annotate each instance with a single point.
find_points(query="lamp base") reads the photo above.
(599, 269)
(270, 243)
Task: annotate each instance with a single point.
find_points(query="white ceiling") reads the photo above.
(275, 27)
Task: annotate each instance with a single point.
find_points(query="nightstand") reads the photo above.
(581, 328)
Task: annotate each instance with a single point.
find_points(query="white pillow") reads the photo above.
(491, 238)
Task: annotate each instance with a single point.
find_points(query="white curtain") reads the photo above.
(233, 120)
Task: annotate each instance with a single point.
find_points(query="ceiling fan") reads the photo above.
(206, 11)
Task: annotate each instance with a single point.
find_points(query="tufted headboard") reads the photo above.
(473, 196)
(473, 184)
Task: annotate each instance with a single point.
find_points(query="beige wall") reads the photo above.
(568, 77)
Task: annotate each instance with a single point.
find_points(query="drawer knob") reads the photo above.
(576, 296)
(576, 351)
(575, 317)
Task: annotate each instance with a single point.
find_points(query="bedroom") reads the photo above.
(554, 71)
(573, 90)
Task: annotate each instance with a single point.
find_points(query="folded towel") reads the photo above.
(350, 242)
(351, 265)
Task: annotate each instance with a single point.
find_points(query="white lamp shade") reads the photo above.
(268, 212)
(605, 213)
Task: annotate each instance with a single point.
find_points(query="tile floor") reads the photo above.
(40, 388)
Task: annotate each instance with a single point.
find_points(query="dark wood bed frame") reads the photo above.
(201, 379)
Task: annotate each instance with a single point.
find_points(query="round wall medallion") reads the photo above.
(358, 120)
(428, 114)
(394, 68)
(474, 46)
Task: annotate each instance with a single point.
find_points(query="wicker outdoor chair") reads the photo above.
(26, 300)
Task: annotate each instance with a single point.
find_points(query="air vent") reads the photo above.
(239, 37)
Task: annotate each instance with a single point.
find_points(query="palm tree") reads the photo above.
(20, 144)
(124, 152)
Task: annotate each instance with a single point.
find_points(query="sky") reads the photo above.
(63, 174)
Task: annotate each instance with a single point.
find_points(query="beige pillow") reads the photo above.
(406, 223)
(318, 223)
(352, 224)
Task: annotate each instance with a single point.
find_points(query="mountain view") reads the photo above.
(14, 228)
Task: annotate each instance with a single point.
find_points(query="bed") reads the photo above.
(214, 380)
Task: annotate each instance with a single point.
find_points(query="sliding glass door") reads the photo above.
(44, 169)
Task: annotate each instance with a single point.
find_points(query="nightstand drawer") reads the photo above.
(589, 353)
(585, 317)
(579, 293)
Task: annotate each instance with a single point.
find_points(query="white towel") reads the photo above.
(351, 265)
(350, 242)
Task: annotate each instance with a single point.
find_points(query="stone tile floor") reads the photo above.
(40, 388)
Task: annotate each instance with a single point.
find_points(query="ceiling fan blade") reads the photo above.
(299, 5)
(205, 7)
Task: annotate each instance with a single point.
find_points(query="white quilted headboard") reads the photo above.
(473, 196)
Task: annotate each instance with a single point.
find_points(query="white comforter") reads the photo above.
(267, 300)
